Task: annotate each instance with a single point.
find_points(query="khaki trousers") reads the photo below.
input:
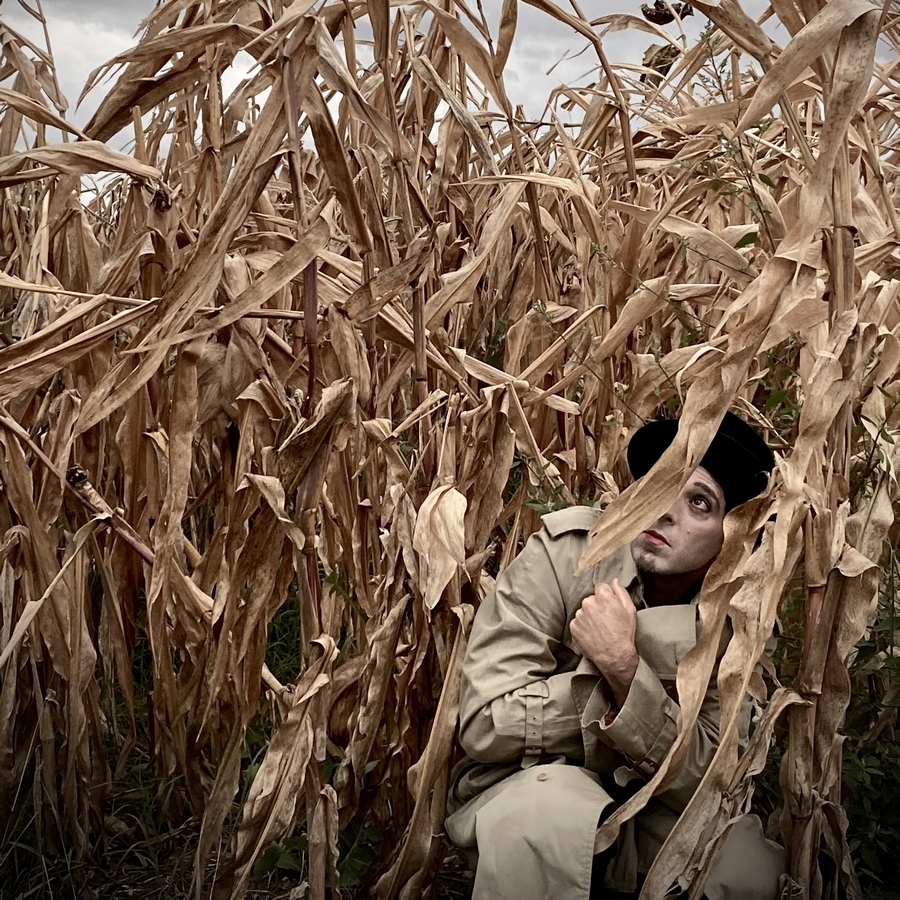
(533, 833)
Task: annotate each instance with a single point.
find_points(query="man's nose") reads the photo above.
(668, 517)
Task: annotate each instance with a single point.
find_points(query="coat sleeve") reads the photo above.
(645, 728)
(513, 699)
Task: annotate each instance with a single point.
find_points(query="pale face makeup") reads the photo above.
(689, 536)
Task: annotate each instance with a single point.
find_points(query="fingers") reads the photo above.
(609, 601)
(575, 631)
(612, 593)
(603, 628)
(623, 595)
(580, 629)
(604, 592)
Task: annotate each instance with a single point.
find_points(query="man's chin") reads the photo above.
(646, 559)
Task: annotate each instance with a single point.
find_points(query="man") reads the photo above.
(568, 699)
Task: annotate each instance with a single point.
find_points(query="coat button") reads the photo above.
(542, 776)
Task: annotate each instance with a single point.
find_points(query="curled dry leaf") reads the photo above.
(439, 539)
(817, 37)
(82, 158)
(278, 784)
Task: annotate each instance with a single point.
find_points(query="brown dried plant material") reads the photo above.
(730, 18)
(32, 608)
(380, 653)
(26, 365)
(195, 284)
(270, 807)
(815, 39)
(37, 111)
(751, 610)
(404, 877)
(439, 540)
(459, 286)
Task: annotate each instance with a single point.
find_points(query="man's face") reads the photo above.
(689, 536)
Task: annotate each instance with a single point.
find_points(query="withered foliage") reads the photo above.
(332, 340)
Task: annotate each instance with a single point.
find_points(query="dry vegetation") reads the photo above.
(316, 353)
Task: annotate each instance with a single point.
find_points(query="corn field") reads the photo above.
(319, 351)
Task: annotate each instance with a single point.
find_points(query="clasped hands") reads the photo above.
(603, 630)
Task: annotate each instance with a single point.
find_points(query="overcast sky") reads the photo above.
(83, 35)
(86, 33)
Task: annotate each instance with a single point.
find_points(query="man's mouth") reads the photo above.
(656, 538)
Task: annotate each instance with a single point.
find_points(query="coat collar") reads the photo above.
(630, 577)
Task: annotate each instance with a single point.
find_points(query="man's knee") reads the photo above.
(536, 838)
(545, 802)
(746, 866)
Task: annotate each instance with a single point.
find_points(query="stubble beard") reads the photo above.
(647, 561)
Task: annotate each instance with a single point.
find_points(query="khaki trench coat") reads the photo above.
(543, 762)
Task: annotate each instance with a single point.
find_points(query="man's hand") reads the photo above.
(603, 631)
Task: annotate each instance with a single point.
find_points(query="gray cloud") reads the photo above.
(118, 15)
(83, 35)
